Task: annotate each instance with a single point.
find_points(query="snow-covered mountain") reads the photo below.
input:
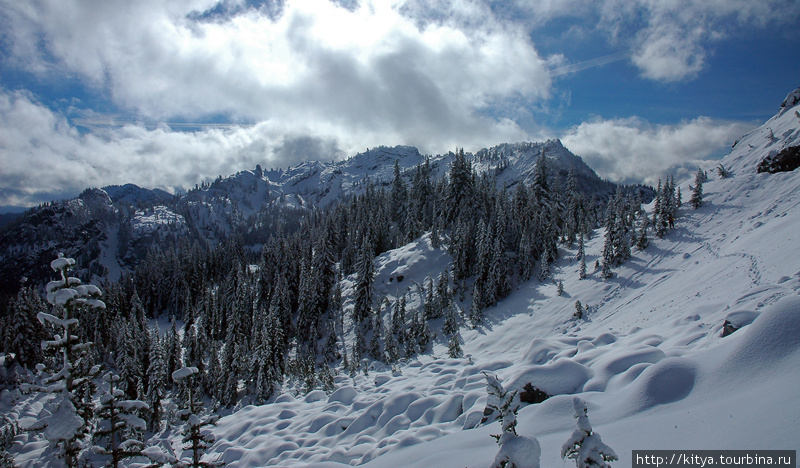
(648, 357)
(109, 230)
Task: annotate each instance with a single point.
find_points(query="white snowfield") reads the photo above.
(648, 359)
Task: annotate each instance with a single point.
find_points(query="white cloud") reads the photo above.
(43, 157)
(375, 67)
(311, 75)
(633, 150)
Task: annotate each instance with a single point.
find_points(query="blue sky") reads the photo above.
(169, 93)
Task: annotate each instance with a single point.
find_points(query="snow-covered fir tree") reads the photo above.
(578, 314)
(697, 190)
(196, 437)
(585, 445)
(362, 304)
(120, 427)
(515, 451)
(65, 420)
(157, 378)
(23, 333)
(581, 256)
(642, 241)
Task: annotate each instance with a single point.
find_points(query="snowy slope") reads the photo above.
(649, 358)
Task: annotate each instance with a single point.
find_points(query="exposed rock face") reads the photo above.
(785, 161)
(791, 99)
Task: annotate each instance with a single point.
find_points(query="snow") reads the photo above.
(64, 424)
(183, 373)
(157, 219)
(648, 358)
(61, 262)
(523, 451)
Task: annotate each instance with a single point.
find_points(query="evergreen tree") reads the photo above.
(585, 445)
(450, 330)
(460, 188)
(24, 333)
(121, 426)
(642, 240)
(375, 351)
(515, 451)
(157, 372)
(195, 437)
(262, 367)
(392, 349)
(578, 311)
(398, 197)
(173, 349)
(697, 191)
(66, 422)
(608, 254)
(660, 223)
(454, 346)
(582, 256)
(362, 304)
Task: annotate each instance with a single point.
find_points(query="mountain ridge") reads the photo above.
(212, 211)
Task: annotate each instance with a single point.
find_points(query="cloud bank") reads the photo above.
(319, 79)
(632, 150)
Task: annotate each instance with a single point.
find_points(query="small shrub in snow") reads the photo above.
(515, 451)
(585, 445)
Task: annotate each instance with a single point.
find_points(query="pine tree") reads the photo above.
(9, 430)
(642, 240)
(362, 304)
(24, 333)
(515, 451)
(398, 196)
(660, 223)
(65, 425)
(578, 311)
(585, 445)
(697, 191)
(263, 376)
(157, 372)
(608, 254)
(375, 351)
(173, 350)
(196, 439)
(460, 188)
(121, 426)
(582, 256)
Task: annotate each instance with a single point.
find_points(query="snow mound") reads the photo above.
(770, 339)
(667, 381)
(561, 377)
